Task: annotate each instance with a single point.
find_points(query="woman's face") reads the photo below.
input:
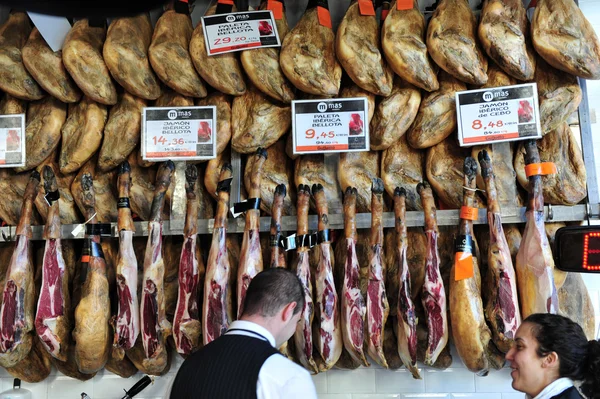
(528, 375)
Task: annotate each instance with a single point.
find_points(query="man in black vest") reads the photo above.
(244, 362)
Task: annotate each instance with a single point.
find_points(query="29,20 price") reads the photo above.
(167, 142)
(478, 125)
(227, 40)
(312, 134)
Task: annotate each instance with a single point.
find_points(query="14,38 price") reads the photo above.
(163, 141)
(478, 125)
(312, 134)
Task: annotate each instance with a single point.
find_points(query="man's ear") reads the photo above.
(288, 311)
(551, 360)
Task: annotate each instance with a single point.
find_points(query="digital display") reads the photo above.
(591, 251)
(577, 249)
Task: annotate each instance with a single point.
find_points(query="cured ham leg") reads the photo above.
(329, 337)
(277, 252)
(186, 325)
(378, 307)
(92, 314)
(535, 263)
(303, 335)
(502, 303)
(154, 324)
(353, 305)
(127, 321)
(472, 337)
(217, 310)
(18, 295)
(278, 255)
(407, 318)
(251, 262)
(53, 322)
(433, 295)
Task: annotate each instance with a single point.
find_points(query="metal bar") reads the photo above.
(236, 184)
(336, 222)
(587, 144)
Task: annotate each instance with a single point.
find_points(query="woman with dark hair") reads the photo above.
(550, 352)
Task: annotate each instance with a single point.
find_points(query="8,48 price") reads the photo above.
(478, 125)
(312, 134)
(163, 141)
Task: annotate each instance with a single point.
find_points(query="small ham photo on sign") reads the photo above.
(204, 132)
(525, 111)
(13, 142)
(265, 28)
(356, 125)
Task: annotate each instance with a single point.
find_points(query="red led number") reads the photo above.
(591, 250)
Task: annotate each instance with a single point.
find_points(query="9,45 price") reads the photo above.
(312, 134)
(478, 125)
(163, 141)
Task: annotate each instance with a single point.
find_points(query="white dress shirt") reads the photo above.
(279, 377)
(557, 386)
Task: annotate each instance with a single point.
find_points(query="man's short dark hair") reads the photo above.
(271, 290)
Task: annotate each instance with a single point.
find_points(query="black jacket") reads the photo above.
(571, 393)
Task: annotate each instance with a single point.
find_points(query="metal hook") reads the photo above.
(550, 212)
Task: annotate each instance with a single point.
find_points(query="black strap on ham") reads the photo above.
(98, 229)
(123, 202)
(323, 236)
(463, 243)
(224, 185)
(52, 197)
(181, 7)
(224, 7)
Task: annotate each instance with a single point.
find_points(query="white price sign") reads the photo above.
(12, 141)
(225, 33)
(179, 133)
(331, 125)
(498, 114)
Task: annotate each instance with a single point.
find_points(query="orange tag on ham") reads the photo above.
(366, 7)
(324, 17)
(469, 213)
(277, 9)
(404, 5)
(228, 2)
(85, 258)
(463, 258)
(537, 169)
(463, 266)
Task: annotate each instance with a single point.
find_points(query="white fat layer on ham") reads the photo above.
(215, 305)
(329, 339)
(128, 319)
(353, 306)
